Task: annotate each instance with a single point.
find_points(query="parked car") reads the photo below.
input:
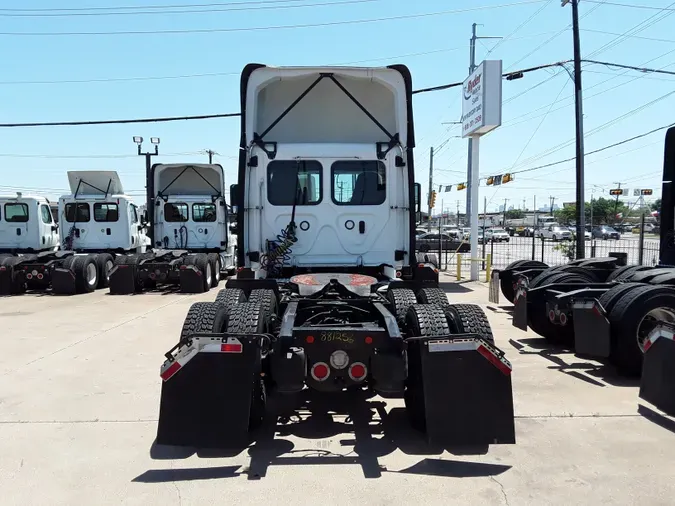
(605, 232)
(430, 242)
(497, 235)
(556, 233)
(451, 231)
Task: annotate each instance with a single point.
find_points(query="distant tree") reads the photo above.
(603, 212)
(565, 215)
(514, 214)
(656, 205)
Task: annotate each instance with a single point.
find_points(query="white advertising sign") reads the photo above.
(482, 99)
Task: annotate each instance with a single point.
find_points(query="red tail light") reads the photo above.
(358, 371)
(320, 371)
(231, 348)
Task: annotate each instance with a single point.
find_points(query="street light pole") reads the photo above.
(149, 197)
(580, 208)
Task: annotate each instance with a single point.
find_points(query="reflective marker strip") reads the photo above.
(656, 334)
(171, 370)
(583, 305)
(471, 345)
(233, 345)
(494, 360)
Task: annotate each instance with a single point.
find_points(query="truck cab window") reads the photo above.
(46, 214)
(106, 212)
(203, 212)
(284, 189)
(78, 213)
(134, 214)
(359, 183)
(16, 213)
(175, 212)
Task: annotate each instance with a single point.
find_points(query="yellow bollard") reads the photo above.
(488, 267)
(459, 266)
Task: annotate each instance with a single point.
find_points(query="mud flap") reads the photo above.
(592, 332)
(6, 280)
(191, 279)
(657, 385)
(495, 287)
(520, 309)
(122, 280)
(63, 281)
(466, 390)
(207, 392)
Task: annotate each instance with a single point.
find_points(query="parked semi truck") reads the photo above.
(605, 309)
(98, 222)
(189, 225)
(330, 298)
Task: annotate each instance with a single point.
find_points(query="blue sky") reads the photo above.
(536, 120)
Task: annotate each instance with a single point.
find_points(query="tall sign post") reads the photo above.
(481, 113)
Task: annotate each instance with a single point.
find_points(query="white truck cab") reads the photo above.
(97, 216)
(326, 149)
(27, 225)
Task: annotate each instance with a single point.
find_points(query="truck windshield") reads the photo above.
(16, 213)
(284, 189)
(359, 183)
(203, 212)
(77, 213)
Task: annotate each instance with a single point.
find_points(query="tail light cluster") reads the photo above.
(339, 360)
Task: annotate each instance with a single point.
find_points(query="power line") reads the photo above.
(235, 114)
(521, 25)
(630, 67)
(617, 4)
(652, 39)
(234, 7)
(265, 28)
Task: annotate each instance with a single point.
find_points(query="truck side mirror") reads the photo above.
(234, 229)
(55, 227)
(234, 195)
(418, 198)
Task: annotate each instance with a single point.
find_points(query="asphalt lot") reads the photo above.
(79, 394)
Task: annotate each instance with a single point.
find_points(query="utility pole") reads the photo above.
(581, 203)
(552, 201)
(505, 201)
(616, 202)
(150, 208)
(472, 67)
(458, 214)
(431, 184)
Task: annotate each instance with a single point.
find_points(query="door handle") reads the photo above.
(362, 227)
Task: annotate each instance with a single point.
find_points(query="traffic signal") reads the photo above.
(507, 178)
(461, 186)
(490, 180)
(616, 192)
(647, 192)
(432, 201)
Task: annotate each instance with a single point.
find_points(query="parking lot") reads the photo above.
(79, 397)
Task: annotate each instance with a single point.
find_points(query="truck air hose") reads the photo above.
(275, 258)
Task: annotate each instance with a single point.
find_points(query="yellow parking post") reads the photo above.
(459, 266)
(488, 267)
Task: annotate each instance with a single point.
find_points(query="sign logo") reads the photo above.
(472, 87)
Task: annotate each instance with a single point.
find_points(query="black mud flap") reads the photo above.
(191, 279)
(122, 280)
(6, 280)
(592, 332)
(658, 371)
(207, 392)
(63, 281)
(495, 287)
(466, 390)
(520, 309)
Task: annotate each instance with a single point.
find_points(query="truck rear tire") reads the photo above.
(252, 318)
(18, 285)
(228, 297)
(624, 273)
(266, 298)
(469, 319)
(401, 299)
(201, 262)
(214, 260)
(133, 260)
(432, 296)
(608, 299)
(86, 273)
(204, 317)
(104, 263)
(629, 325)
(506, 284)
(421, 320)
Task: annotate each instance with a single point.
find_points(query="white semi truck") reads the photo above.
(98, 222)
(188, 219)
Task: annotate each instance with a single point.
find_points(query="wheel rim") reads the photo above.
(208, 274)
(217, 273)
(651, 320)
(92, 274)
(108, 267)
